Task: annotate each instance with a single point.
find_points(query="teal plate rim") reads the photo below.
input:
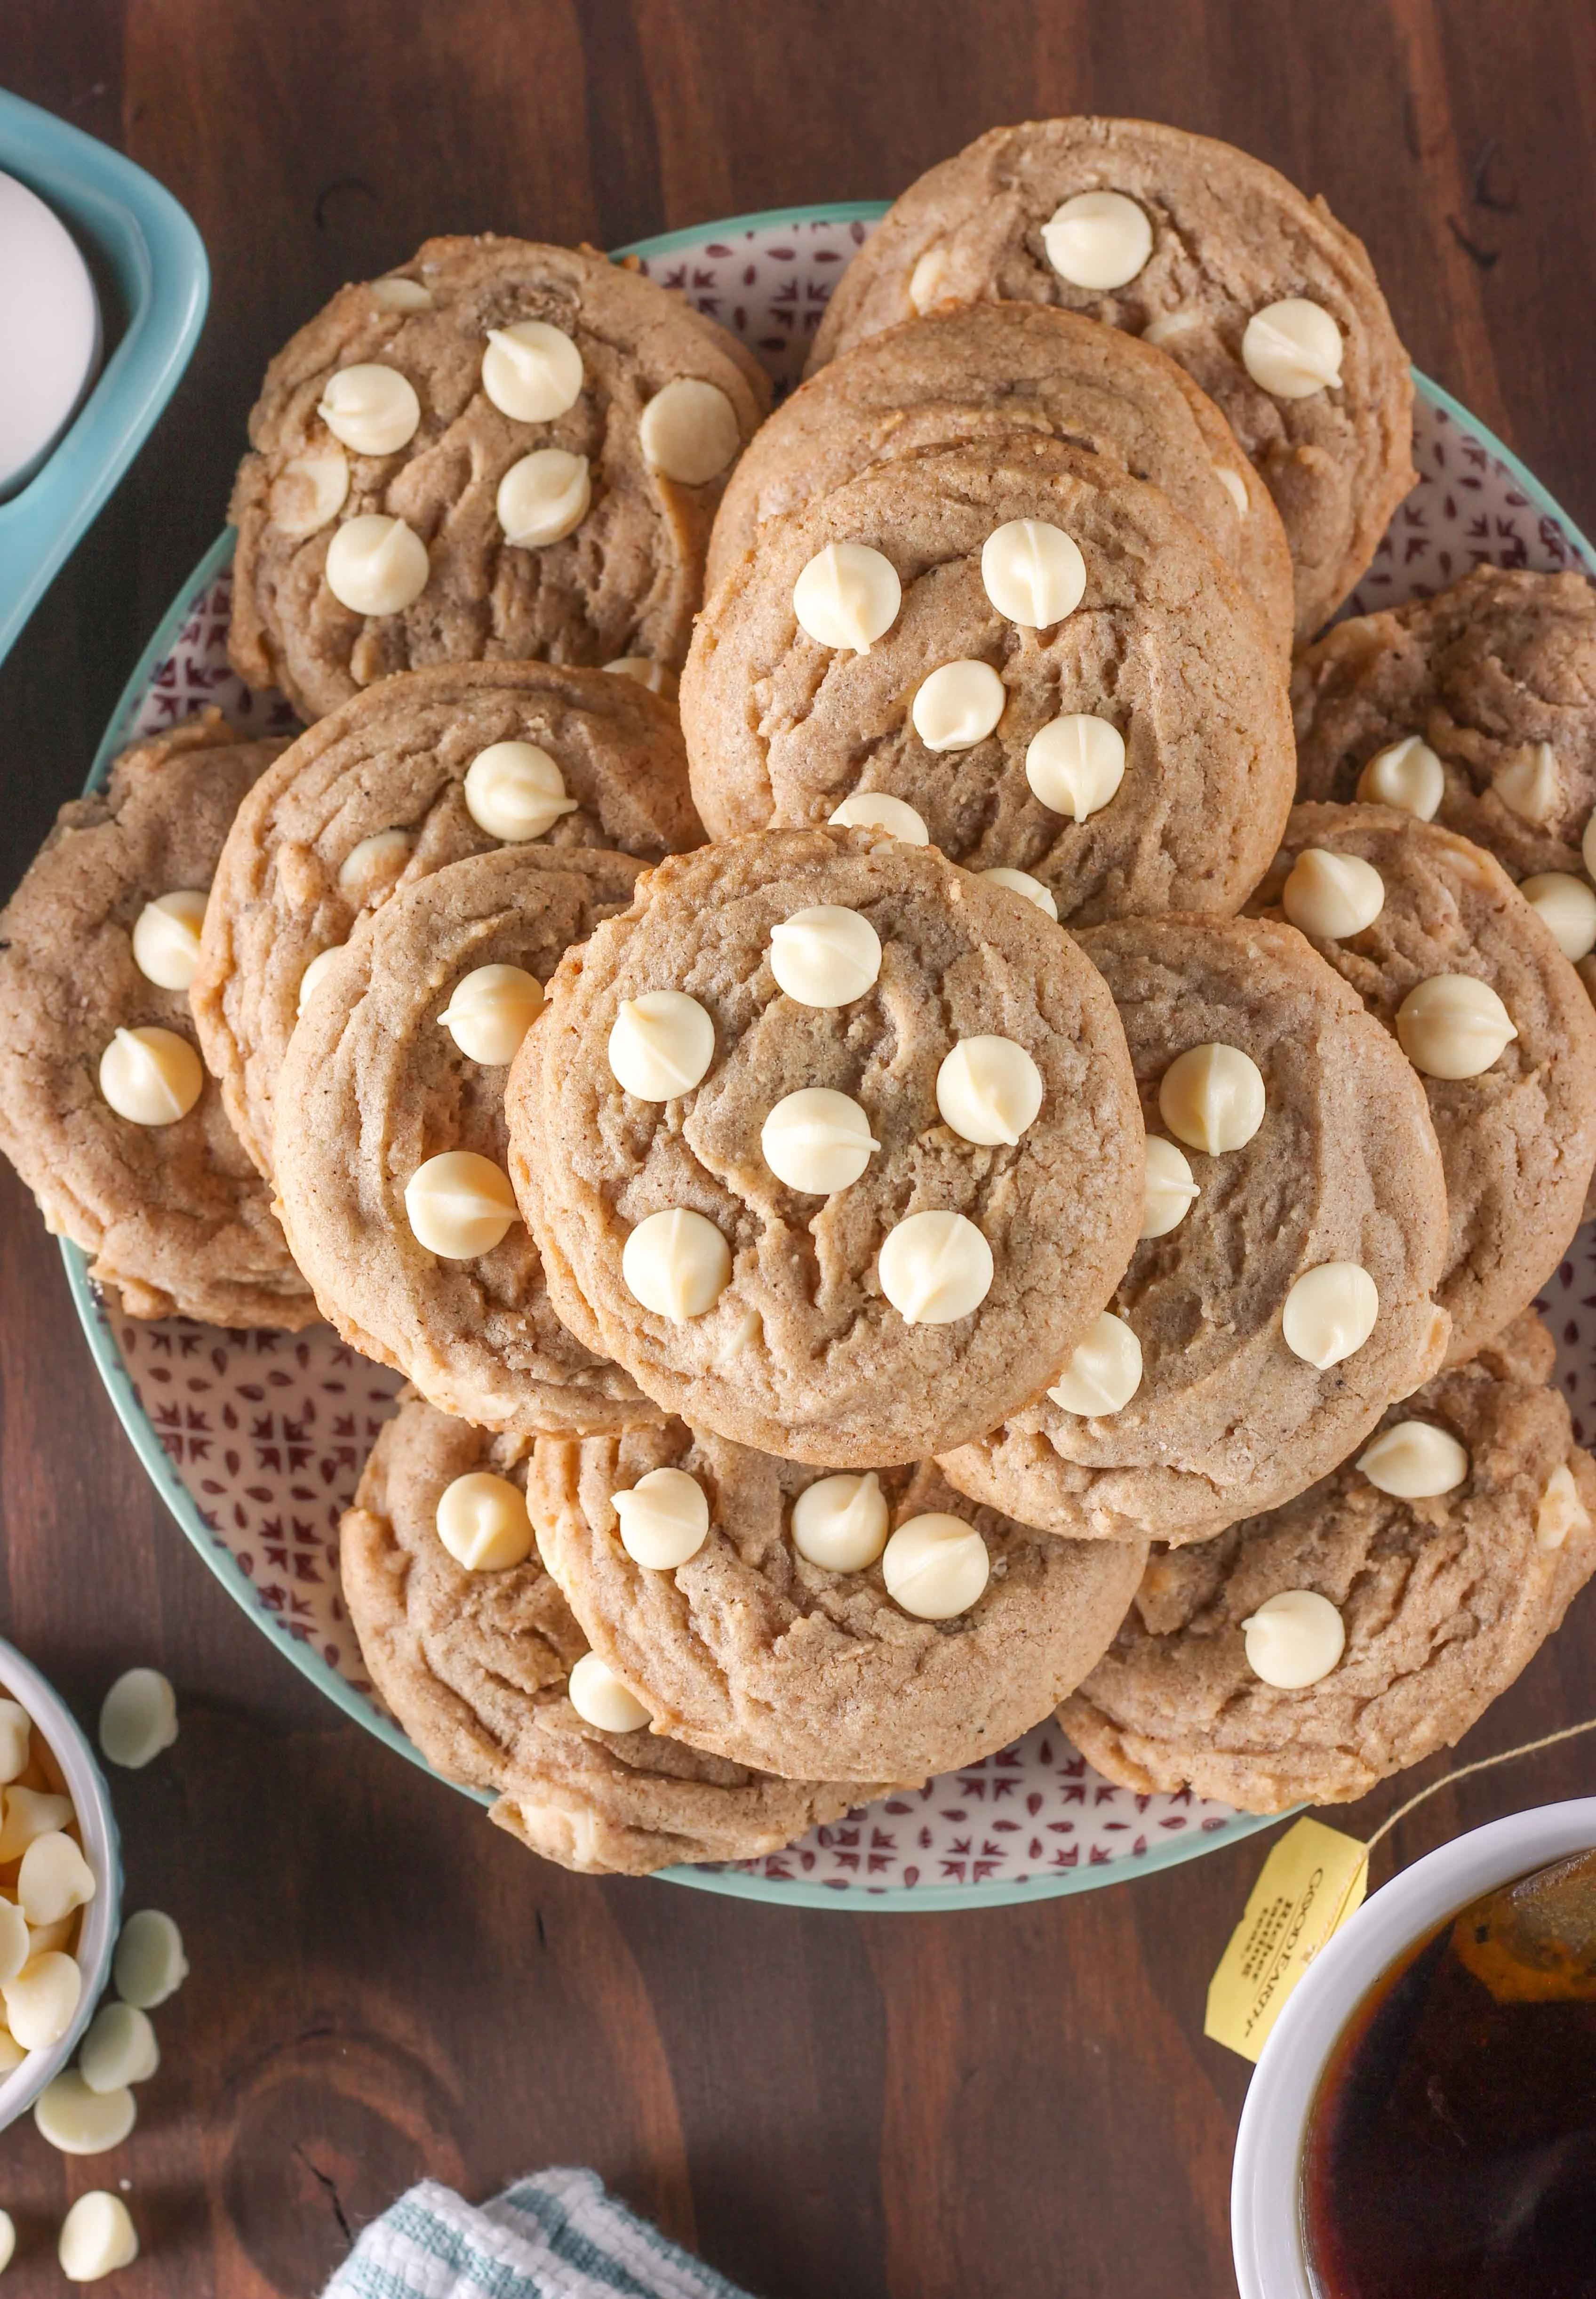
(731, 1883)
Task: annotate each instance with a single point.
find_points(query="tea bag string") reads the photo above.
(1480, 1764)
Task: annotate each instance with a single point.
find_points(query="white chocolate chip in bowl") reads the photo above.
(1454, 1027)
(1171, 1189)
(1332, 895)
(54, 1878)
(935, 1268)
(1294, 1640)
(676, 1263)
(880, 811)
(664, 1519)
(958, 705)
(660, 1045)
(1329, 1313)
(825, 957)
(688, 432)
(1075, 764)
(935, 1566)
(601, 1700)
(150, 1076)
(166, 939)
(1560, 1510)
(544, 498)
(516, 792)
(1033, 572)
(1407, 774)
(847, 595)
(30, 1813)
(989, 1091)
(16, 1734)
(376, 565)
(370, 408)
(15, 1944)
(1103, 1370)
(42, 1999)
(459, 1204)
(1098, 240)
(481, 1521)
(1568, 907)
(1022, 882)
(1414, 1461)
(310, 491)
(817, 1141)
(1293, 349)
(490, 1011)
(1212, 1097)
(531, 371)
(840, 1523)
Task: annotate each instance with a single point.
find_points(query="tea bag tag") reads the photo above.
(1313, 1879)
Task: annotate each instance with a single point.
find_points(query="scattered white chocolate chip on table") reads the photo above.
(138, 1718)
(1414, 1460)
(847, 596)
(1453, 1026)
(1294, 1640)
(1407, 774)
(660, 1045)
(97, 2237)
(840, 1523)
(664, 1519)
(935, 1566)
(79, 2121)
(149, 1964)
(1103, 1370)
(1329, 1313)
(601, 1700)
(1033, 572)
(481, 1521)
(119, 2048)
(1212, 1097)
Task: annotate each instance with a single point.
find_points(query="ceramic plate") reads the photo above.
(255, 1441)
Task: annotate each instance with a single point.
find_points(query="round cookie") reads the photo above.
(982, 372)
(1517, 1139)
(750, 1649)
(475, 356)
(1484, 674)
(1220, 1416)
(376, 1084)
(1154, 709)
(474, 1665)
(172, 1212)
(1197, 241)
(376, 796)
(768, 1310)
(1442, 1602)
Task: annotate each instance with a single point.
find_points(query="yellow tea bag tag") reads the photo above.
(1311, 1884)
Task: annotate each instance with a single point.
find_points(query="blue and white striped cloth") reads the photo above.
(556, 2235)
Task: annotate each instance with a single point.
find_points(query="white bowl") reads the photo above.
(20, 1682)
(1265, 2186)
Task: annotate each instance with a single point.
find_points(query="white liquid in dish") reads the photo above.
(50, 345)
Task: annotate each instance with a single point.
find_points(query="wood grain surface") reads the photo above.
(1018, 2103)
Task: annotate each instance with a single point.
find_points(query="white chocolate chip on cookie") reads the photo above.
(1020, 882)
(1454, 1027)
(1331, 894)
(1560, 1510)
(879, 811)
(150, 1076)
(394, 293)
(1293, 349)
(544, 498)
(935, 1566)
(1568, 906)
(1329, 1313)
(988, 1090)
(309, 489)
(847, 595)
(166, 939)
(1407, 776)
(316, 973)
(481, 1522)
(376, 566)
(1075, 764)
(1294, 1640)
(1033, 572)
(935, 1268)
(370, 408)
(458, 1205)
(1213, 1099)
(376, 862)
(688, 432)
(1532, 787)
(601, 1700)
(664, 1519)
(1415, 1461)
(676, 1263)
(928, 282)
(840, 1523)
(958, 705)
(1103, 1371)
(817, 1141)
(1098, 240)
(1171, 1189)
(660, 1045)
(826, 956)
(490, 1011)
(515, 791)
(531, 371)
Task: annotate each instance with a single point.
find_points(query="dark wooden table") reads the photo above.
(1018, 2103)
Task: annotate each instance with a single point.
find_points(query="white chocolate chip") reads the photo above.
(54, 1878)
(97, 2237)
(1235, 486)
(481, 1521)
(149, 1964)
(935, 1268)
(490, 1011)
(138, 1718)
(30, 1813)
(1020, 882)
(840, 1523)
(1568, 907)
(676, 1263)
(1332, 895)
(817, 1141)
(928, 282)
(1531, 788)
(1213, 1099)
(8, 2232)
(688, 432)
(1329, 1313)
(1587, 846)
(660, 1045)
(62, 1934)
(166, 939)
(12, 2055)
(459, 1205)
(316, 973)
(958, 706)
(1454, 1027)
(309, 489)
(1415, 1461)
(81, 2121)
(1075, 764)
(988, 1090)
(664, 1519)
(1171, 1190)
(1293, 349)
(370, 408)
(544, 498)
(16, 1738)
(1560, 1510)
(848, 595)
(41, 2000)
(15, 1946)
(531, 371)
(1033, 572)
(645, 672)
(601, 1700)
(1407, 774)
(150, 1076)
(515, 791)
(119, 2049)
(1098, 240)
(1168, 327)
(1103, 1371)
(877, 810)
(747, 1330)
(376, 564)
(1294, 1640)
(826, 956)
(393, 293)
(376, 862)
(935, 1566)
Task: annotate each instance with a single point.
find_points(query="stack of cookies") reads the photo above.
(939, 1133)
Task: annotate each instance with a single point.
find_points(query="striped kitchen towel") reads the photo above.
(558, 2235)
